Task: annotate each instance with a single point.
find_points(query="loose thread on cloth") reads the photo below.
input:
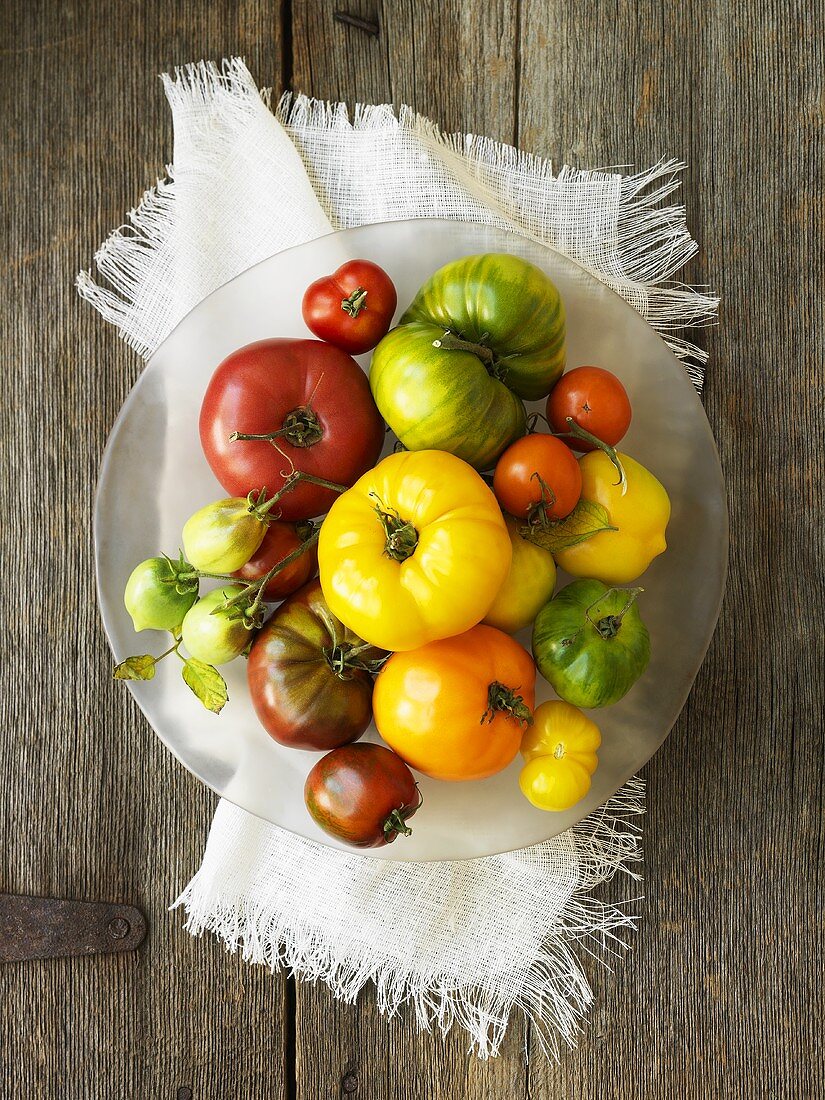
(473, 978)
(484, 936)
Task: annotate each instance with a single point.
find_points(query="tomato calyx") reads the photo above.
(504, 700)
(402, 537)
(355, 302)
(607, 626)
(538, 513)
(396, 823)
(301, 428)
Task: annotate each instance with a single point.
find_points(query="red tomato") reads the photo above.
(362, 794)
(312, 405)
(280, 540)
(352, 308)
(596, 400)
(517, 481)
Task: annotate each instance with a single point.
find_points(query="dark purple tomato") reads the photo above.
(362, 794)
(308, 675)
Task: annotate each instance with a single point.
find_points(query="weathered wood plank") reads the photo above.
(91, 804)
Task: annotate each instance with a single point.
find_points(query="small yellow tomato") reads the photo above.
(415, 551)
(559, 750)
(527, 587)
(639, 509)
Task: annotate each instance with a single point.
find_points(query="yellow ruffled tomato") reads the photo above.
(639, 509)
(416, 550)
(527, 587)
(560, 756)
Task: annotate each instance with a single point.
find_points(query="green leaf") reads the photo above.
(586, 520)
(207, 683)
(136, 668)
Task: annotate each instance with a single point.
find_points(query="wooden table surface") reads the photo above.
(722, 995)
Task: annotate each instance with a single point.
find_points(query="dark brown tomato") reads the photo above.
(307, 685)
(362, 794)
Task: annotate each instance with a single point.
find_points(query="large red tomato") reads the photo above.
(310, 407)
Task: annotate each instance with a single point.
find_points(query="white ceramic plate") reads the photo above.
(154, 476)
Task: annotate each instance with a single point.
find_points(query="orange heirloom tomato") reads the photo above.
(416, 550)
(456, 708)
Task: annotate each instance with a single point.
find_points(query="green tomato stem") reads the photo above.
(402, 537)
(301, 428)
(579, 432)
(501, 699)
(608, 626)
(256, 588)
(450, 342)
(357, 301)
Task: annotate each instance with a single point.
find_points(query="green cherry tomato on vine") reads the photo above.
(538, 468)
(215, 639)
(596, 400)
(221, 537)
(155, 599)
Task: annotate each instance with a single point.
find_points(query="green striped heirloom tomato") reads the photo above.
(590, 643)
(483, 334)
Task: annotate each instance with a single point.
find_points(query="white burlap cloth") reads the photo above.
(458, 942)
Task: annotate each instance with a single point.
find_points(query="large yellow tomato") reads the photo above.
(416, 550)
(639, 510)
(527, 587)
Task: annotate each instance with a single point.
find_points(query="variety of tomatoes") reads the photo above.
(424, 570)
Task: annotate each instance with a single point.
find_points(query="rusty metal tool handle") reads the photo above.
(48, 928)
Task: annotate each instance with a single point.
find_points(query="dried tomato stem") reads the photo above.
(357, 301)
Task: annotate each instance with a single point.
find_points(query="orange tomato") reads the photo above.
(456, 708)
(538, 467)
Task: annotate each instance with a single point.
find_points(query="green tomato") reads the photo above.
(154, 598)
(216, 639)
(590, 643)
(222, 537)
(483, 334)
(528, 586)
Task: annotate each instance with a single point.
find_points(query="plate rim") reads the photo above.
(117, 425)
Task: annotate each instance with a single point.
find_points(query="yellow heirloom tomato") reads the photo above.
(527, 587)
(416, 550)
(639, 509)
(560, 753)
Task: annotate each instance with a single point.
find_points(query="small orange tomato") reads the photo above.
(535, 468)
(456, 708)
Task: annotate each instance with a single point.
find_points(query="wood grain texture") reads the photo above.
(91, 804)
(722, 995)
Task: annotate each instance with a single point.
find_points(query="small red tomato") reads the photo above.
(352, 308)
(538, 467)
(362, 794)
(597, 402)
(281, 540)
